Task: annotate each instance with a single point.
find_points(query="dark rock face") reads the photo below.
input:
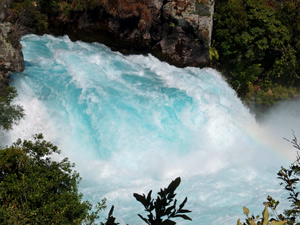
(11, 56)
(177, 31)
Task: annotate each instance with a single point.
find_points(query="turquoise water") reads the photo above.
(133, 123)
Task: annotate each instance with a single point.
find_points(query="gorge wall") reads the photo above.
(11, 56)
(176, 31)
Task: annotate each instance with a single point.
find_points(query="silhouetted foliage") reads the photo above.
(163, 208)
(160, 210)
(111, 219)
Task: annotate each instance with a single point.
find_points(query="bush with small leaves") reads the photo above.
(9, 113)
(34, 189)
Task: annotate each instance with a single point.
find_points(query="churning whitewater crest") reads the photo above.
(133, 123)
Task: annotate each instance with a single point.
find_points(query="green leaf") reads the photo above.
(239, 222)
(249, 54)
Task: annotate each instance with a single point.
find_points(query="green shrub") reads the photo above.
(9, 114)
(37, 190)
(27, 13)
(258, 45)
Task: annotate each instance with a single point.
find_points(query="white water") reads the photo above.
(133, 123)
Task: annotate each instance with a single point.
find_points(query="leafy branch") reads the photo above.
(163, 208)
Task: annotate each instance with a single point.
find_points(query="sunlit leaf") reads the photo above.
(246, 211)
(265, 216)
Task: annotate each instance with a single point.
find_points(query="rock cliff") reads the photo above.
(11, 56)
(177, 31)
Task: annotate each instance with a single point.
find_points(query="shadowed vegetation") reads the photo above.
(259, 48)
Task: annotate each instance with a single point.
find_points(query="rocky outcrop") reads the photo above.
(177, 31)
(11, 56)
(190, 38)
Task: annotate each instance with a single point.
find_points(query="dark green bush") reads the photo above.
(9, 113)
(37, 190)
(258, 45)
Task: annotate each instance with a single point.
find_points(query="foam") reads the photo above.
(133, 123)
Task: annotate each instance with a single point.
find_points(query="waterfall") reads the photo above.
(134, 123)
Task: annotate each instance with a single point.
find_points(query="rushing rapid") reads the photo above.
(134, 123)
